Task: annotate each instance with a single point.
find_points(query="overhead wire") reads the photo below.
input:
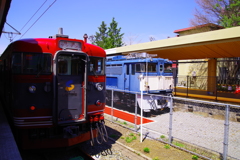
(31, 17)
(39, 18)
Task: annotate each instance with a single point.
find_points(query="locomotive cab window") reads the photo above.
(97, 66)
(152, 67)
(31, 63)
(140, 67)
(168, 68)
(133, 69)
(70, 65)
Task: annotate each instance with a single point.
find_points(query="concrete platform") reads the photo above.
(8, 146)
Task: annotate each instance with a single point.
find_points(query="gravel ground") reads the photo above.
(197, 129)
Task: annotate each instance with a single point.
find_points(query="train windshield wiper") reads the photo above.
(39, 71)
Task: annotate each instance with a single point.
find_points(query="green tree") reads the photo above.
(231, 14)
(100, 38)
(221, 12)
(108, 37)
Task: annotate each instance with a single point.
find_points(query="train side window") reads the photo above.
(17, 63)
(161, 67)
(127, 69)
(133, 69)
(97, 66)
(31, 63)
(140, 67)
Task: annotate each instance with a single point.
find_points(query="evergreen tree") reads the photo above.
(110, 37)
(231, 14)
(100, 38)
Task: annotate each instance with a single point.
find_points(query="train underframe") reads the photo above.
(128, 101)
(61, 136)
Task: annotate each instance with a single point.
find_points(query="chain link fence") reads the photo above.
(208, 129)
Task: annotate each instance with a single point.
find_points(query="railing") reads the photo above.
(213, 87)
(207, 129)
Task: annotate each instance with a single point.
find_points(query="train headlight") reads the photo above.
(99, 86)
(32, 89)
(98, 103)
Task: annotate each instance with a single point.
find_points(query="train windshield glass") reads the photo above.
(141, 67)
(70, 65)
(168, 68)
(31, 63)
(97, 66)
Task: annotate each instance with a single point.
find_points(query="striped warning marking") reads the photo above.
(126, 116)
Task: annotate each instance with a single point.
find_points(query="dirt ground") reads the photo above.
(155, 150)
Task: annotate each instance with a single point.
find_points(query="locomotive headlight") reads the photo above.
(32, 89)
(99, 86)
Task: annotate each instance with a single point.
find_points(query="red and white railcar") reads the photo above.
(54, 90)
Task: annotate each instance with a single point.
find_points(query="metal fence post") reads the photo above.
(135, 118)
(187, 84)
(216, 89)
(170, 120)
(226, 133)
(112, 106)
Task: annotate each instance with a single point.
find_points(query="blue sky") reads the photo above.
(139, 19)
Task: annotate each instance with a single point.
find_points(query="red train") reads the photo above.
(54, 91)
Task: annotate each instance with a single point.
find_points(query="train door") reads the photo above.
(126, 77)
(71, 76)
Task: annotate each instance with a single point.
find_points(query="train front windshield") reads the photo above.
(168, 68)
(97, 66)
(31, 63)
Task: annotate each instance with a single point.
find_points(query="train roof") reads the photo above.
(51, 45)
(135, 57)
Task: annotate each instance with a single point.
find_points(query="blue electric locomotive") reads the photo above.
(137, 72)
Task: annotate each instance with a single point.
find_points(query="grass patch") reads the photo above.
(167, 146)
(194, 157)
(131, 138)
(128, 140)
(146, 149)
(179, 144)
(162, 137)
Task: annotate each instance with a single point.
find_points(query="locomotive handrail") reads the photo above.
(137, 92)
